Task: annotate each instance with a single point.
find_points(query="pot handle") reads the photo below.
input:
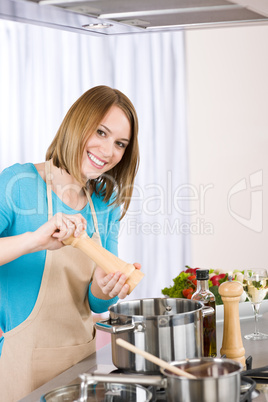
(207, 310)
(154, 380)
(104, 325)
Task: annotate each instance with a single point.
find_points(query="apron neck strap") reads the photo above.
(93, 212)
(49, 189)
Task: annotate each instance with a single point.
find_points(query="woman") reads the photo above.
(49, 290)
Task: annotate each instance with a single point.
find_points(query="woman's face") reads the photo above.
(106, 146)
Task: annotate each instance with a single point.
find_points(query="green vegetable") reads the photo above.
(215, 291)
(180, 283)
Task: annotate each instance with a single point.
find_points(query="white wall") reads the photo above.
(227, 80)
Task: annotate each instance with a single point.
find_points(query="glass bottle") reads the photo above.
(204, 295)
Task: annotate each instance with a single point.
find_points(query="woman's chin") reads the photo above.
(91, 176)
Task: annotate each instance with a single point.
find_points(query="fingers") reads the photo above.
(50, 235)
(114, 285)
(137, 265)
(66, 225)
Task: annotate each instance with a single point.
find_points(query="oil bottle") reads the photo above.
(204, 295)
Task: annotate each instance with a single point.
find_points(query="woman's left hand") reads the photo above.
(112, 285)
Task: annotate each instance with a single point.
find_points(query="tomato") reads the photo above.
(189, 296)
(187, 292)
(191, 277)
(192, 280)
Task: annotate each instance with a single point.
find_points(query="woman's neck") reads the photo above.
(67, 187)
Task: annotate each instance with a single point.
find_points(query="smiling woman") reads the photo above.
(103, 120)
(107, 144)
(48, 290)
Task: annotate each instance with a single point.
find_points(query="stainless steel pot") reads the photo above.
(218, 380)
(169, 328)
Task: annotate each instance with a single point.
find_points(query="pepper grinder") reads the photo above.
(232, 345)
(105, 259)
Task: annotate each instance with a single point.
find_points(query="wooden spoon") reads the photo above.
(153, 359)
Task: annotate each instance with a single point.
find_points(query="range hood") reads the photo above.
(111, 17)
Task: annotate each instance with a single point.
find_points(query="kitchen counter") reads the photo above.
(101, 361)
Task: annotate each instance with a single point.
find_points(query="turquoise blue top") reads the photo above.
(23, 208)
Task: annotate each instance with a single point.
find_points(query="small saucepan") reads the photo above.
(217, 380)
(199, 379)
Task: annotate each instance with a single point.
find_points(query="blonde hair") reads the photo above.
(81, 120)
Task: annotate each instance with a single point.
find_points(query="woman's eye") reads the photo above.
(121, 145)
(101, 133)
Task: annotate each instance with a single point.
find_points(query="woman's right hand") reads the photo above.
(60, 227)
(49, 236)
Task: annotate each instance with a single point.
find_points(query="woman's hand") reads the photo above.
(48, 237)
(60, 227)
(110, 285)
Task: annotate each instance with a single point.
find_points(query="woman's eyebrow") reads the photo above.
(121, 139)
(106, 128)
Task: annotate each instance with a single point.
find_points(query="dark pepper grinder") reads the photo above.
(232, 345)
(204, 295)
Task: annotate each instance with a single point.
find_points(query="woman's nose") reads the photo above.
(107, 148)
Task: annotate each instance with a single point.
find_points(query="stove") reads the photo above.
(259, 379)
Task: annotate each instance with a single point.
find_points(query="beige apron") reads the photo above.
(59, 331)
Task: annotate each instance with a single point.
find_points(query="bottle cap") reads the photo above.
(202, 274)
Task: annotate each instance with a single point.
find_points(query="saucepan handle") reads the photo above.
(154, 380)
(106, 326)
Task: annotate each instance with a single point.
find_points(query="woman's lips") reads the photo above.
(96, 161)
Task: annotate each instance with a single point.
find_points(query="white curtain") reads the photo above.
(43, 71)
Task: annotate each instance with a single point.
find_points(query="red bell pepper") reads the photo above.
(217, 279)
(191, 270)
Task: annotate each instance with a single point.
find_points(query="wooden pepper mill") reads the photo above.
(106, 260)
(232, 345)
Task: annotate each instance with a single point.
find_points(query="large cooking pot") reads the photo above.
(169, 328)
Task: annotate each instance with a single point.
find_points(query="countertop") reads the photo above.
(101, 361)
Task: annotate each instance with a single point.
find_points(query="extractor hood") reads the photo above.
(110, 17)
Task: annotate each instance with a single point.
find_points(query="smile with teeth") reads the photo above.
(95, 160)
